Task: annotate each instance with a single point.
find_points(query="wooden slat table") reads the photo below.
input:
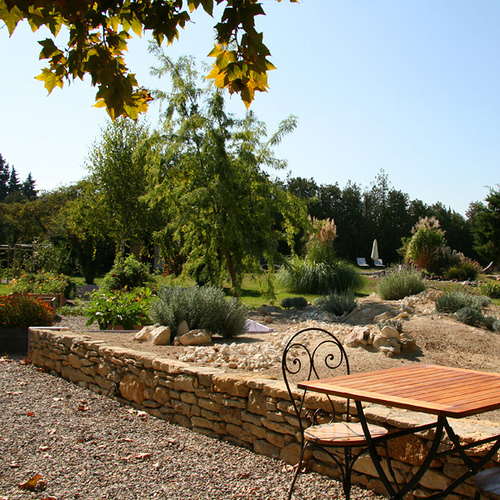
(438, 390)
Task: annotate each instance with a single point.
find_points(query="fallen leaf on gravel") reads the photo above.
(5, 359)
(44, 448)
(30, 414)
(139, 456)
(24, 361)
(11, 393)
(14, 466)
(31, 484)
(57, 399)
(49, 498)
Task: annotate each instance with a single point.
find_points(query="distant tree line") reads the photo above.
(378, 212)
(11, 189)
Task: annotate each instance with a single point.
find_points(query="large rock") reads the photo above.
(183, 328)
(195, 337)
(358, 337)
(160, 335)
(390, 332)
(384, 316)
(144, 334)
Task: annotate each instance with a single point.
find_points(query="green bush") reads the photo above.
(490, 288)
(297, 302)
(128, 273)
(125, 308)
(302, 276)
(337, 303)
(201, 307)
(400, 283)
(394, 323)
(470, 316)
(454, 301)
(19, 310)
(44, 282)
(78, 308)
(466, 269)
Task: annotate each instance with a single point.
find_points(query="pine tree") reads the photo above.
(28, 188)
(4, 178)
(14, 186)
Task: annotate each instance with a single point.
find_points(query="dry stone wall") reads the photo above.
(249, 411)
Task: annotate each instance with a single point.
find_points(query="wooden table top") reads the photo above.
(439, 390)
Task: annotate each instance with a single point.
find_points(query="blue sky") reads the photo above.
(410, 87)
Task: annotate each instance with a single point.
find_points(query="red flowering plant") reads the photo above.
(17, 311)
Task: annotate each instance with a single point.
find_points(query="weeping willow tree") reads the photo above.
(223, 212)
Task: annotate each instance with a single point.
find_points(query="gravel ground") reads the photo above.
(88, 447)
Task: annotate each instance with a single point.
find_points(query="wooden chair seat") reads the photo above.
(488, 483)
(341, 434)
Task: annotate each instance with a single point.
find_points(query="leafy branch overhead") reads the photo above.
(98, 35)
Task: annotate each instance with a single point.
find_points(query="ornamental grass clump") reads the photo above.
(454, 301)
(489, 288)
(203, 307)
(400, 283)
(303, 276)
(22, 311)
(337, 303)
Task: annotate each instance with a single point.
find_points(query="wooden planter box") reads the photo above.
(54, 300)
(14, 339)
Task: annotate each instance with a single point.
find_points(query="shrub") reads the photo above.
(399, 283)
(454, 301)
(128, 273)
(44, 282)
(337, 303)
(49, 257)
(302, 276)
(297, 302)
(78, 308)
(466, 269)
(470, 316)
(201, 307)
(18, 310)
(394, 323)
(126, 308)
(490, 289)
(422, 249)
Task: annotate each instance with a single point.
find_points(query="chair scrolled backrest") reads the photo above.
(310, 354)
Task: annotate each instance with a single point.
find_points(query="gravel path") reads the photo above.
(88, 447)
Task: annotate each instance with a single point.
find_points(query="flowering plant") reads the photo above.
(43, 282)
(126, 308)
(17, 310)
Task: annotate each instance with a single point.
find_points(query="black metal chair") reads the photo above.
(311, 354)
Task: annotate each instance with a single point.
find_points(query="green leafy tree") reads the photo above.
(98, 35)
(486, 218)
(81, 225)
(119, 181)
(223, 211)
